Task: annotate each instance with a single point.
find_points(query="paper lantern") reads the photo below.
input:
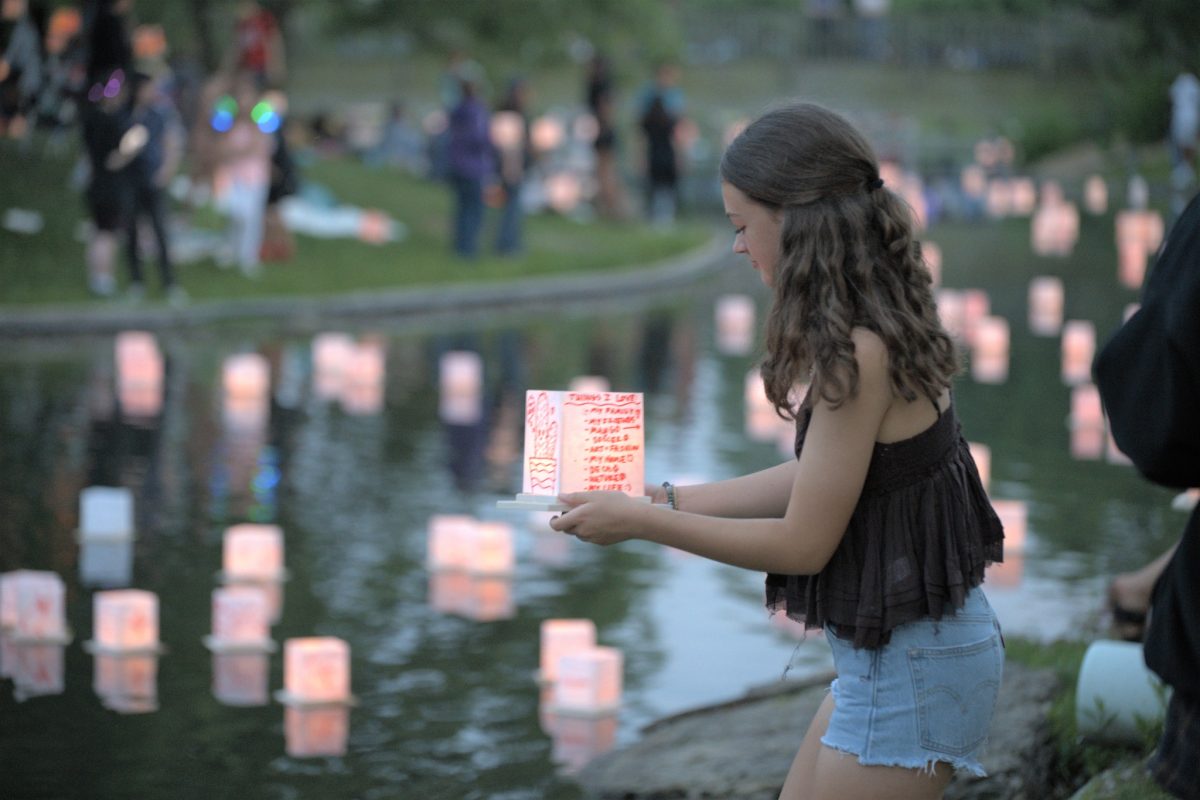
(976, 306)
(1024, 197)
(139, 374)
(1078, 349)
(449, 539)
(38, 670)
(579, 442)
(125, 620)
(127, 684)
(363, 381)
(564, 191)
(973, 179)
(507, 130)
(981, 454)
(547, 133)
(1131, 264)
(246, 379)
(589, 682)
(240, 679)
(1014, 516)
(32, 606)
(240, 618)
(950, 308)
(494, 550)
(316, 670)
(990, 348)
(576, 741)
(762, 423)
(253, 552)
(931, 254)
(1086, 408)
(460, 383)
(1054, 229)
(1045, 305)
(589, 383)
(318, 731)
(1095, 195)
(105, 512)
(560, 637)
(735, 324)
(1087, 443)
(331, 352)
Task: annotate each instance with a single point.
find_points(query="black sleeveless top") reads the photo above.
(918, 541)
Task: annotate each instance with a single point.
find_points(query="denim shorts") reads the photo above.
(925, 696)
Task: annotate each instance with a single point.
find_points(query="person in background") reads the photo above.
(244, 177)
(514, 158)
(258, 48)
(662, 106)
(149, 173)
(108, 39)
(401, 143)
(470, 163)
(278, 242)
(880, 530)
(105, 123)
(1148, 374)
(20, 67)
(601, 101)
(65, 72)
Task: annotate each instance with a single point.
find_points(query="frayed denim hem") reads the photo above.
(924, 765)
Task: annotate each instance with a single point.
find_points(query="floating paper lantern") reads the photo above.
(547, 133)
(976, 306)
(589, 383)
(253, 552)
(246, 378)
(1078, 350)
(125, 620)
(318, 731)
(560, 637)
(735, 324)
(240, 679)
(1054, 229)
(1045, 305)
(33, 606)
(589, 682)
(460, 382)
(762, 423)
(448, 541)
(38, 670)
(981, 454)
(990, 348)
(363, 380)
(931, 253)
(240, 617)
(950, 312)
(1086, 422)
(139, 373)
(105, 512)
(1024, 196)
(331, 352)
(316, 670)
(494, 549)
(576, 741)
(127, 683)
(1095, 195)
(1014, 516)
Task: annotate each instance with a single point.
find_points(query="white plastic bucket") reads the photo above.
(1117, 699)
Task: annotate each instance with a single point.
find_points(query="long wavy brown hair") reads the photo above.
(847, 259)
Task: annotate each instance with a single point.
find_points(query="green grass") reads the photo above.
(49, 267)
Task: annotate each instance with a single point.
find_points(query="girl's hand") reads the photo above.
(601, 518)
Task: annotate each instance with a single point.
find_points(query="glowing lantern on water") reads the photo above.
(1024, 196)
(316, 670)
(449, 541)
(247, 381)
(125, 620)
(989, 352)
(578, 740)
(973, 179)
(976, 306)
(253, 552)
(560, 637)
(589, 383)
(735, 324)
(363, 381)
(38, 670)
(931, 253)
(762, 423)
(1138, 236)
(139, 373)
(1095, 195)
(1045, 305)
(127, 683)
(1078, 349)
(564, 190)
(547, 133)
(589, 682)
(331, 353)
(105, 512)
(999, 198)
(1014, 516)
(1086, 422)
(494, 551)
(32, 606)
(240, 618)
(981, 454)
(240, 679)
(950, 311)
(460, 382)
(321, 731)
(1055, 229)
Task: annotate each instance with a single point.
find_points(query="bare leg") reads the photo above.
(822, 773)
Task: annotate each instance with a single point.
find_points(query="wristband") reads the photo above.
(671, 501)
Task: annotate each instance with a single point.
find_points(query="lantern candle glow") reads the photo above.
(1045, 305)
(560, 637)
(316, 670)
(312, 732)
(989, 350)
(735, 324)
(589, 682)
(1078, 349)
(253, 552)
(125, 620)
(32, 606)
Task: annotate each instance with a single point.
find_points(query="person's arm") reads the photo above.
(759, 494)
(828, 482)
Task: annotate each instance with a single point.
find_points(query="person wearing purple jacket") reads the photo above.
(471, 165)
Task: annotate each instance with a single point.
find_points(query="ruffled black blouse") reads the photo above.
(917, 542)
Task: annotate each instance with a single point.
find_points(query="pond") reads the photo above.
(442, 667)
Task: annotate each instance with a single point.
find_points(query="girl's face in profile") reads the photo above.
(756, 230)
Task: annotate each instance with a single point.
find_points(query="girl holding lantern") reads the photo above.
(880, 530)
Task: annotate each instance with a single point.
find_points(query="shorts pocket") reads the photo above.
(956, 690)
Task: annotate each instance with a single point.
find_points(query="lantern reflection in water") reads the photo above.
(330, 354)
(246, 379)
(1095, 195)
(560, 637)
(240, 618)
(735, 324)
(576, 740)
(37, 669)
(139, 374)
(1045, 305)
(240, 679)
(363, 382)
(127, 683)
(106, 563)
(460, 386)
(1138, 235)
(316, 731)
(474, 597)
(316, 670)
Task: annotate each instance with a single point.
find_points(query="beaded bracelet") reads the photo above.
(670, 487)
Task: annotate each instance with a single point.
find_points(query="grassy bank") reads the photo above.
(48, 267)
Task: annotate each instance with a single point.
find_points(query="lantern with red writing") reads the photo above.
(1078, 349)
(316, 731)
(125, 621)
(560, 637)
(316, 670)
(241, 617)
(32, 606)
(1045, 305)
(589, 682)
(253, 552)
(240, 679)
(735, 324)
